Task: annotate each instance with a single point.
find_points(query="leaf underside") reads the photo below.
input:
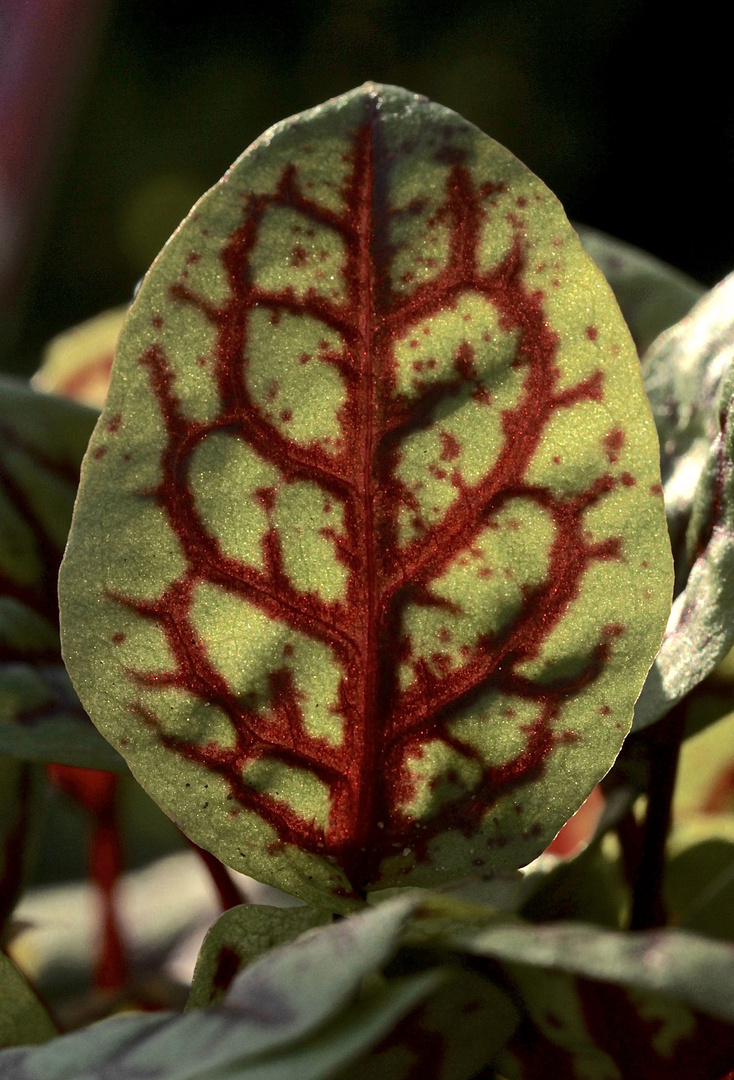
(369, 560)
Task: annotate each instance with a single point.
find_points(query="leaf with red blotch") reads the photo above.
(369, 560)
(576, 1027)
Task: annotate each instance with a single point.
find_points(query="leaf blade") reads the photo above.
(383, 362)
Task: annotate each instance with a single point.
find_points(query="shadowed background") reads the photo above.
(630, 121)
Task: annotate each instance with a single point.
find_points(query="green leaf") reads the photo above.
(699, 886)
(240, 936)
(214, 1044)
(42, 441)
(303, 1007)
(690, 379)
(41, 719)
(369, 560)
(651, 294)
(681, 965)
(19, 818)
(23, 1018)
(458, 1029)
(576, 1028)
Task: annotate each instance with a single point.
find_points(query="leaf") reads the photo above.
(369, 559)
(575, 1028)
(681, 965)
(215, 1043)
(77, 363)
(699, 886)
(23, 1018)
(298, 1008)
(456, 1031)
(695, 379)
(18, 818)
(41, 718)
(238, 937)
(651, 294)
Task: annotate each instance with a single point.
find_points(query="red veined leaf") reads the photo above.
(369, 560)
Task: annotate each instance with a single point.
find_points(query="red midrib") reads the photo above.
(363, 763)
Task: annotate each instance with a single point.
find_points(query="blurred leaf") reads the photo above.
(686, 371)
(77, 363)
(215, 1043)
(699, 886)
(705, 777)
(369, 552)
(303, 1010)
(42, 441)
(19, 818)
(23, 1018)
(238, 937)
(680, 965)
(41, 719)
(456, 1031)
(590, 887)
(651, 294)
(574, 1028)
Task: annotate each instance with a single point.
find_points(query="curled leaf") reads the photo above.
(369, 560)
(690, 380)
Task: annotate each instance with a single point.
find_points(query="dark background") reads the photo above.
(624, 110)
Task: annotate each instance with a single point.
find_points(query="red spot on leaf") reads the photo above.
(592, 333)
(613, 443)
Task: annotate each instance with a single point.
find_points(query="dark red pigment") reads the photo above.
(39, 595)
(367, 775)
(96, 791)
(618, 1027)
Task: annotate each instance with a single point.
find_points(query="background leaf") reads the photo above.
(692, 969)
(369, 558)
(238, 937)
(651, 294)
(42, 441)
(689, 377)
(23, 1018)
(77, 363)
(574, 1028)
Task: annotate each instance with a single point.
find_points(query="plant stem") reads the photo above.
(227, 891)
(663, 742)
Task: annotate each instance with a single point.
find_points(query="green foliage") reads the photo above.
(368, 567)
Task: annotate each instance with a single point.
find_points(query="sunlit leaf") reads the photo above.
(651, 294)
(690, 379)
(23, 1018)
(369, 560)
(77, 363)
(238, 937)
